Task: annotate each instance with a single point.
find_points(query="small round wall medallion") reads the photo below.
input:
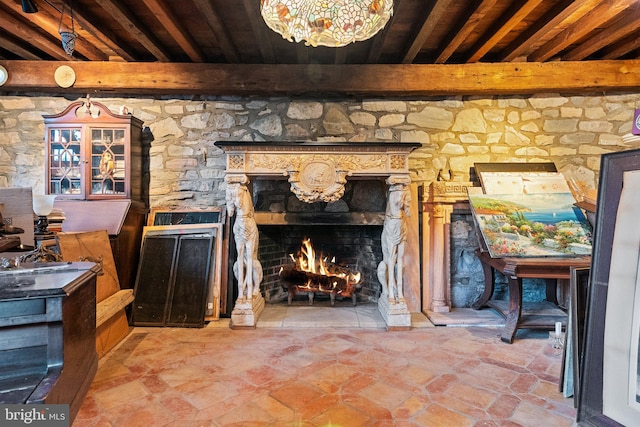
(4, 75)
(65, 76)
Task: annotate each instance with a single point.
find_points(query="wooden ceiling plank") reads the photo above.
(375, 50)
(259, 30)
(433, 18)
(614, 32)
(340, 56)
(462, 33)
(604, 11)
(302, 53)
(143, 78)
(623, 48)
(176, 30)
(219, 29)
(48, 19)
(35, 39)
(109, 40)
(133, 27)
(554, 17)
(17, 50)
(507, 23)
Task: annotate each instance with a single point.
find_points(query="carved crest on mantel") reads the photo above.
(317, 180)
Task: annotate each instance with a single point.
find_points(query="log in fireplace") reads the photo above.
(347, 231)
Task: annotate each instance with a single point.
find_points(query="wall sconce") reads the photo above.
(28, 6)
(67, 34)
(43, 206)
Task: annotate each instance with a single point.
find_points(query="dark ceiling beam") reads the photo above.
(259, 30)
(209, 11)
(506, 23)
(377, 42)
(50, 22)
(176, 30)
(622, 48)
(159, 79)
(524, 43)
(108, 42)
(340, 56)
(36, 39)
(603, 12)
(433, 18)
(463, 32)
(124, 18)
(627, 24)
(18, 50)
(302, 53)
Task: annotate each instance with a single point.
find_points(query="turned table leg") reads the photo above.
(488, 287)
(515, 310)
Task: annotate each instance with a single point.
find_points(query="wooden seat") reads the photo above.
(112, 324)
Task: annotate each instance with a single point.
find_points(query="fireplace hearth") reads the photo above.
(352, 200)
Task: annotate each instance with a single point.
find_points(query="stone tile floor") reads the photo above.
(296, 370)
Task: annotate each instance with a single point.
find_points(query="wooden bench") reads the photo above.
(112, 325)
(108, 308)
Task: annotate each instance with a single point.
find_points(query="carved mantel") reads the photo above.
(300, 160)
(318, 172)
(438, 204)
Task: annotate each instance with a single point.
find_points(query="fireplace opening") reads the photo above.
(355, 248)
(348, 230)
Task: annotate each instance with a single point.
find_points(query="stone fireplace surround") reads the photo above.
(318, 172)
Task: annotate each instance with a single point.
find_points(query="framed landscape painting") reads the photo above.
(535, 225)
(610, 374)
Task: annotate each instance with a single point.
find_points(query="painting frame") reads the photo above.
(593, 372)
(579, 291)
(186, 215)
(481, 168)
(531, 225)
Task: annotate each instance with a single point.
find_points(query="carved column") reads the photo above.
(392, 303)
(436, 219)
(247, 269)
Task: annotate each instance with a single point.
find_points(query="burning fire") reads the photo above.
(314, 265)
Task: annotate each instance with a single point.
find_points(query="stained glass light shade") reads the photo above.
(332, 23)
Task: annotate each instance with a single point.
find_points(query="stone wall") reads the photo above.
(186, 167)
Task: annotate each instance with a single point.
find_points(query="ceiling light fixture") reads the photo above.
(28, 6)
(68, 34)
(332, 23)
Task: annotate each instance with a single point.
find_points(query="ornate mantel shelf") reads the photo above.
(317, 172)
(314, 165)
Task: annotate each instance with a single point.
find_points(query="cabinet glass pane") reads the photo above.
(108, 161)
(65, 163)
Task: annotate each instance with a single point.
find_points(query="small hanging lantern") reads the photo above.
(68, 35)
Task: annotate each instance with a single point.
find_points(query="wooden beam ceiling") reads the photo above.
(160, 79)
(135, 28)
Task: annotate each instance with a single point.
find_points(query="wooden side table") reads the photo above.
(552, 269)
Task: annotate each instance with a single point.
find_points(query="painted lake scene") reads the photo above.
(533, 225)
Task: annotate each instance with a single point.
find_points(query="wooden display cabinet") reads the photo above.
(93, 154)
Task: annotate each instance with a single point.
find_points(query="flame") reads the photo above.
(309, 261)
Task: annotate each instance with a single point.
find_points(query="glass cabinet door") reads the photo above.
(65, 161)
(108, 157)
